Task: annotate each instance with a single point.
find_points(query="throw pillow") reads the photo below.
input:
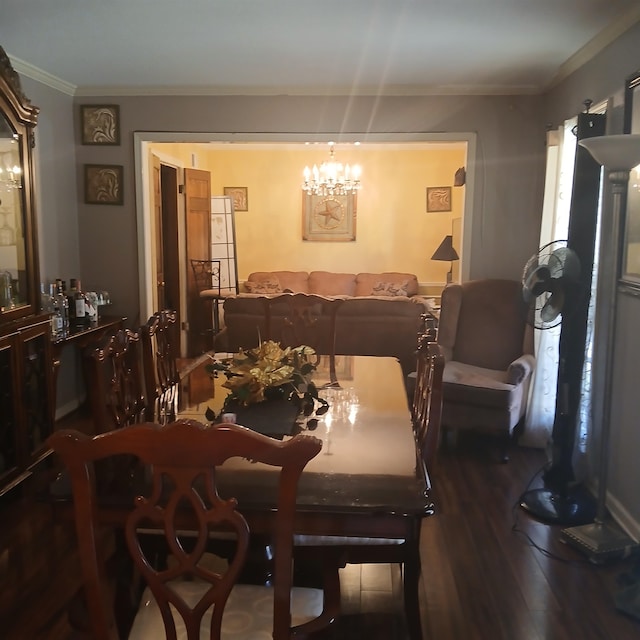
(263, 286)
(390, 288)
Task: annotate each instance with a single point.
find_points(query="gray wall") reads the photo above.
(57, 210)
(510, 141)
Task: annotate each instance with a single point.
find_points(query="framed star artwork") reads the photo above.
(329, 218)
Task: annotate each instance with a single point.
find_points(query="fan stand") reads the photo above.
(571, 506)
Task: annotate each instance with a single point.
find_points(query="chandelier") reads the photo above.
(10, 178)
(10, 173)
(332, 178)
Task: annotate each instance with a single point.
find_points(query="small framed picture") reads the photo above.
(239, 196)
(100, 124)
(103, 183)
(438, 199)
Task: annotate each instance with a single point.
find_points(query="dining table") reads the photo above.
(368, 481)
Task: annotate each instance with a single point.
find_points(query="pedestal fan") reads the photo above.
(554, 291)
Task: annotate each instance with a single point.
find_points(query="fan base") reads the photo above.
(571, 507)
(600, 541)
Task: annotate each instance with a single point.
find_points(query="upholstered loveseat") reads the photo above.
(381, 313)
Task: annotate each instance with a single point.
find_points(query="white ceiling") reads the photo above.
(320, 47)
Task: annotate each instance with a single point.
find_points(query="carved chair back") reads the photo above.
(427, 399)
(300, 318)
(116, 389)
(181, 459)
(160, 352)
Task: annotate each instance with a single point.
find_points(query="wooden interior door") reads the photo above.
(198, 246)
(156, 186)
(170, 247)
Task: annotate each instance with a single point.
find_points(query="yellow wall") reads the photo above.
(393, 230)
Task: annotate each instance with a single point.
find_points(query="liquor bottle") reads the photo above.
(71, 300)
(91, 304)
(63, 304)
(47, 306)
(81, 317)
(57, 320)
(46, 303)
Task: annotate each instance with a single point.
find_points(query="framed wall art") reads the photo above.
(100, 124)
(329, 218)
(103, 183)
(239, 196)
(630, 273)
(438, 199)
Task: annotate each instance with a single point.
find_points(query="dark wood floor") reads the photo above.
(482, 579)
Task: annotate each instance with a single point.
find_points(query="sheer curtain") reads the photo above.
(561, 152)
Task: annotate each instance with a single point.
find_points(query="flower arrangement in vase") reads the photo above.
(270, 373)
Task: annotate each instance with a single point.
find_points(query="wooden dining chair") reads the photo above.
(427, 402)
(160, 355)
(115, 383)
(207, 279)
(189, 596)
(293, 319)
(361, 550)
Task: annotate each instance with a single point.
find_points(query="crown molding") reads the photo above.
(364, 91)
(596, 45)
(28, 70)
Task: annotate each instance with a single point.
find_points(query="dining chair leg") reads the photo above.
(411, 574)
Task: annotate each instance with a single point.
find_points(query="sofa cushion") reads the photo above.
(293, 281)
(327, 283)
(371, 284)
(266, 286)
(390, 288)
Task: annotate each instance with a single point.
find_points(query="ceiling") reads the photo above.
(320, 47)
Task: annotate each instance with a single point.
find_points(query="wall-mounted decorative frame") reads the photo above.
(240, 197)
(630, 268)
(438, 199)
(100, 124)
(329, 218)
(103, 184)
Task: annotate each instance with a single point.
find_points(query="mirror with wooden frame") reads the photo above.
(19, 274)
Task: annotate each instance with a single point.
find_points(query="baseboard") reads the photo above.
(623, 518)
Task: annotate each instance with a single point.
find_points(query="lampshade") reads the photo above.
(445, 251)
(617, 153)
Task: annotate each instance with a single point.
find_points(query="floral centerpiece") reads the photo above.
(271, 372)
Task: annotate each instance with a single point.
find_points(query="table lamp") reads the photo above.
(446, 253)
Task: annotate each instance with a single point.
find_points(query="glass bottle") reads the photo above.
(80, 307)
(63, 304)
(57, 321)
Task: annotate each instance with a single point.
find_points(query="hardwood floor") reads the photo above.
(482, 578)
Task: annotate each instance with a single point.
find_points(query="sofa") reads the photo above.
(381, 313)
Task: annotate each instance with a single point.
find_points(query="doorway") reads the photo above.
(144, 141)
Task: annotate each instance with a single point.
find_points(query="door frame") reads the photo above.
(142, 140)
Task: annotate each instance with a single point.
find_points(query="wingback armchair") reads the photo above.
(489, 362)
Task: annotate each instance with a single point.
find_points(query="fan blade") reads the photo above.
(552, 308)
(537, 283)
(564, 263)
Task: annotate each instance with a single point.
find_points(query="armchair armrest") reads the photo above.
(520, 369)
